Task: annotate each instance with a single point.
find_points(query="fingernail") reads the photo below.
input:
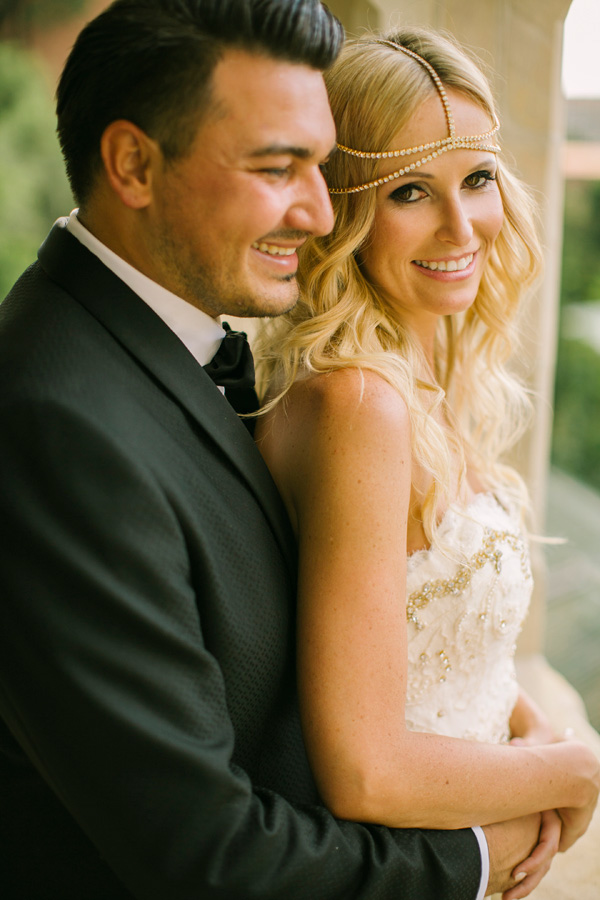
(520, 876)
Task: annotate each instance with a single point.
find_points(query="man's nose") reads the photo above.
(311, 212)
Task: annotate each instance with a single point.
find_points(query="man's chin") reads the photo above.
(266, 310)
(273, 303)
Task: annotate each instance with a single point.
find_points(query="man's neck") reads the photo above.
(200, 333)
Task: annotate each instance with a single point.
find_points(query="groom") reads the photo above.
(150, 743)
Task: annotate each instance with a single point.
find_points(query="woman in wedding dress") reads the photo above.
(391, 406)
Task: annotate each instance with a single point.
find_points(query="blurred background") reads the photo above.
(35, 36)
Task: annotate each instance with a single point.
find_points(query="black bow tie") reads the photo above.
(232, 367)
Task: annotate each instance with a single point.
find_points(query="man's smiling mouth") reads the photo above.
(274, 249)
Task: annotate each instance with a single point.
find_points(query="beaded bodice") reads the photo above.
(464, 613)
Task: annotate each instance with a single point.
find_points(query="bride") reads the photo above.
(390, 408)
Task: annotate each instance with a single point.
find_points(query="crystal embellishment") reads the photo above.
(490, 552)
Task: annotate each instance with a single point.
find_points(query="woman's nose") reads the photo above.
(455, 226)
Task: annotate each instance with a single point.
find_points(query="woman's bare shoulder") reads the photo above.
(342, 425)
(352, 395)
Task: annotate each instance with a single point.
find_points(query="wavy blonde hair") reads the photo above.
(341, 321)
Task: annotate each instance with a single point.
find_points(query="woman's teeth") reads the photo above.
(451, 265)
(273, 249)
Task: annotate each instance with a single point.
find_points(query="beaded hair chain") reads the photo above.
(472, 142)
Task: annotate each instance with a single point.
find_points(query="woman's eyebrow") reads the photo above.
(418, 173)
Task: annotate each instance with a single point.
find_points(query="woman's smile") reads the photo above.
(456, 268)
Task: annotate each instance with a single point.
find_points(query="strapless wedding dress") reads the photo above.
(466, 602)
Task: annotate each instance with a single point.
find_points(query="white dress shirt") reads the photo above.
(485, 861)
(202, 335)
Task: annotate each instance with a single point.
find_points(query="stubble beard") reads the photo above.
(211, 290)
(230, 300)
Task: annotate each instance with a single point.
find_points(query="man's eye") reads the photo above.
(276, 172)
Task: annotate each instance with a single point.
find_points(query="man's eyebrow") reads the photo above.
(281, 150)
(285, 150)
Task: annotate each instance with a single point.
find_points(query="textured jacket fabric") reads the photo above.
(150, 743)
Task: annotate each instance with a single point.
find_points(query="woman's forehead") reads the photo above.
(428, 122)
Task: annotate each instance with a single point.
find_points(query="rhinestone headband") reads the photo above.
(452, 142)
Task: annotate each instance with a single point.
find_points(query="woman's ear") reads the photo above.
(129, 158)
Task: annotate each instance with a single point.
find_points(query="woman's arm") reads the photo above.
(341, 455)
(529, 725)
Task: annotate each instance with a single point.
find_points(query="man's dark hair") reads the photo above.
(151, 62)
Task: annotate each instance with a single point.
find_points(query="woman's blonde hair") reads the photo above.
(341, 321)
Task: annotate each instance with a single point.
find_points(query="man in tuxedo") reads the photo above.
(150, 743)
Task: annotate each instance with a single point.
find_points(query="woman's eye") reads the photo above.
(408, 193)
(479, 179)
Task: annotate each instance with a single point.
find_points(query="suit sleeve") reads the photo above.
(107, 685)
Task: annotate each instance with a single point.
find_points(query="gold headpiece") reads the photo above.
(452, 142)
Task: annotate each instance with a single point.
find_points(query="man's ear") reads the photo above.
(129, 158)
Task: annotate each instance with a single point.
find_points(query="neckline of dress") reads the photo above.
(457, 510)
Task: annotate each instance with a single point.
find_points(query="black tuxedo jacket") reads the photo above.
(150, 738)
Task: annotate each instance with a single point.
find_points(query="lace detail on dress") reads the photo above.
(463, 622)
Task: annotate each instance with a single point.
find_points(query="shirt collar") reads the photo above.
(198, 331)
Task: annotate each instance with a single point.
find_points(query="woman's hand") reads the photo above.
(537, 864)
(531, 728)
(575, 822)
(576, 818)
(534, 737)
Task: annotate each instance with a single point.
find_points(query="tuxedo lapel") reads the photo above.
(137, 328)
